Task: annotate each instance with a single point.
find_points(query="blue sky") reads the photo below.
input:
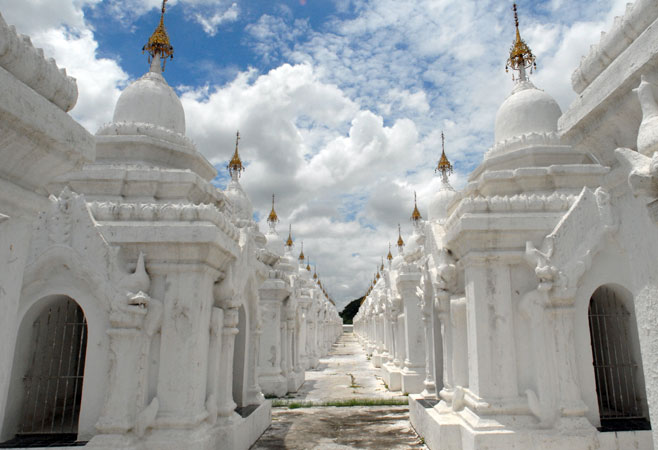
(340, 103)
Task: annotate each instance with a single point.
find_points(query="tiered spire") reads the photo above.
(389, 257)
(400, 241)
(308, 264)
(444, 165)
(272, 219)
(158, 47)
(289, 242)
(520, 55)
(415, 215)
(235, 166)
(301, 254)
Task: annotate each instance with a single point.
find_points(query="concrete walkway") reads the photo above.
(344, 374)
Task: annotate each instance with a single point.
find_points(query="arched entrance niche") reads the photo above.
(48, 372)
(240, 359)
(617, 361)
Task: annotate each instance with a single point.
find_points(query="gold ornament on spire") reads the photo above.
(272, 219)
(308, 264)
(378, 276)
(381, 268)
(301, 254)
(444, 165)
(315, 273)
(520, 55)
(158, 43)
(400, 241)
(389, 256)
(415, 215)
(235, 165)
(289, 242)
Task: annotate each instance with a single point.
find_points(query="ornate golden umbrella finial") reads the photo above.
(520, 55)
(400, 241)
(289, 243)
(235, 166)
(158, 44)
(415, 215)
(444, 165)
(301, 254)
(389, 256)
(272, 219)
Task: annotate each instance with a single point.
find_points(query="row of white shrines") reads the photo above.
(142, 308)
(523, 314)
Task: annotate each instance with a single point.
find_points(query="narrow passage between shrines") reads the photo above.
(309, 419)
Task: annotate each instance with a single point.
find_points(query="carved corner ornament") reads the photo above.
(567, 252)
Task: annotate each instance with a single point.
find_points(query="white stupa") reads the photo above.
(527, 111)
(242, 207)
(274, 241)
(438, 210)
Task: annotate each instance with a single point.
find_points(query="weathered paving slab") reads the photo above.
(344, 374)
(382, 427)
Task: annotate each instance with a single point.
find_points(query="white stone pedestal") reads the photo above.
(442, 428)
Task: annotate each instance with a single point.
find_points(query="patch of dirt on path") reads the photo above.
(384, 427)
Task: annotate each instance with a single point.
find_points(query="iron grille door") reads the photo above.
(53, 382)
(621, 397)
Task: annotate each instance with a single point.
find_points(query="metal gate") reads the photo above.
(619, 379)
(53, 382)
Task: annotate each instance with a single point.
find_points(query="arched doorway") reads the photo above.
(54, 361)
(617, 361)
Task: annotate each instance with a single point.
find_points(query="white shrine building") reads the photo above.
(132, 289)
(522, 313)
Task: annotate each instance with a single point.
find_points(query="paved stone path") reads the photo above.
(344, 374)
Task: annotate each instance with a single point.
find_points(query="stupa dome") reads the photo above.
(274, 242)
(241, 205)
(438, 210)
(152, 101)
(527, 110)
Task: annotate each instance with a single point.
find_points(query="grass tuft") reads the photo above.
(342, 403)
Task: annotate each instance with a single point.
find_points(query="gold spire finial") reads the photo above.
(389, 256)
(415, 215)
(301, 254)
(381, 268)
(444, 165)
(520, 55)
(158, 43)
(315, 273)
(308, 264)
(235, 165)
(289, 242)
(378, 276)
(272, 219)
(400, 241)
